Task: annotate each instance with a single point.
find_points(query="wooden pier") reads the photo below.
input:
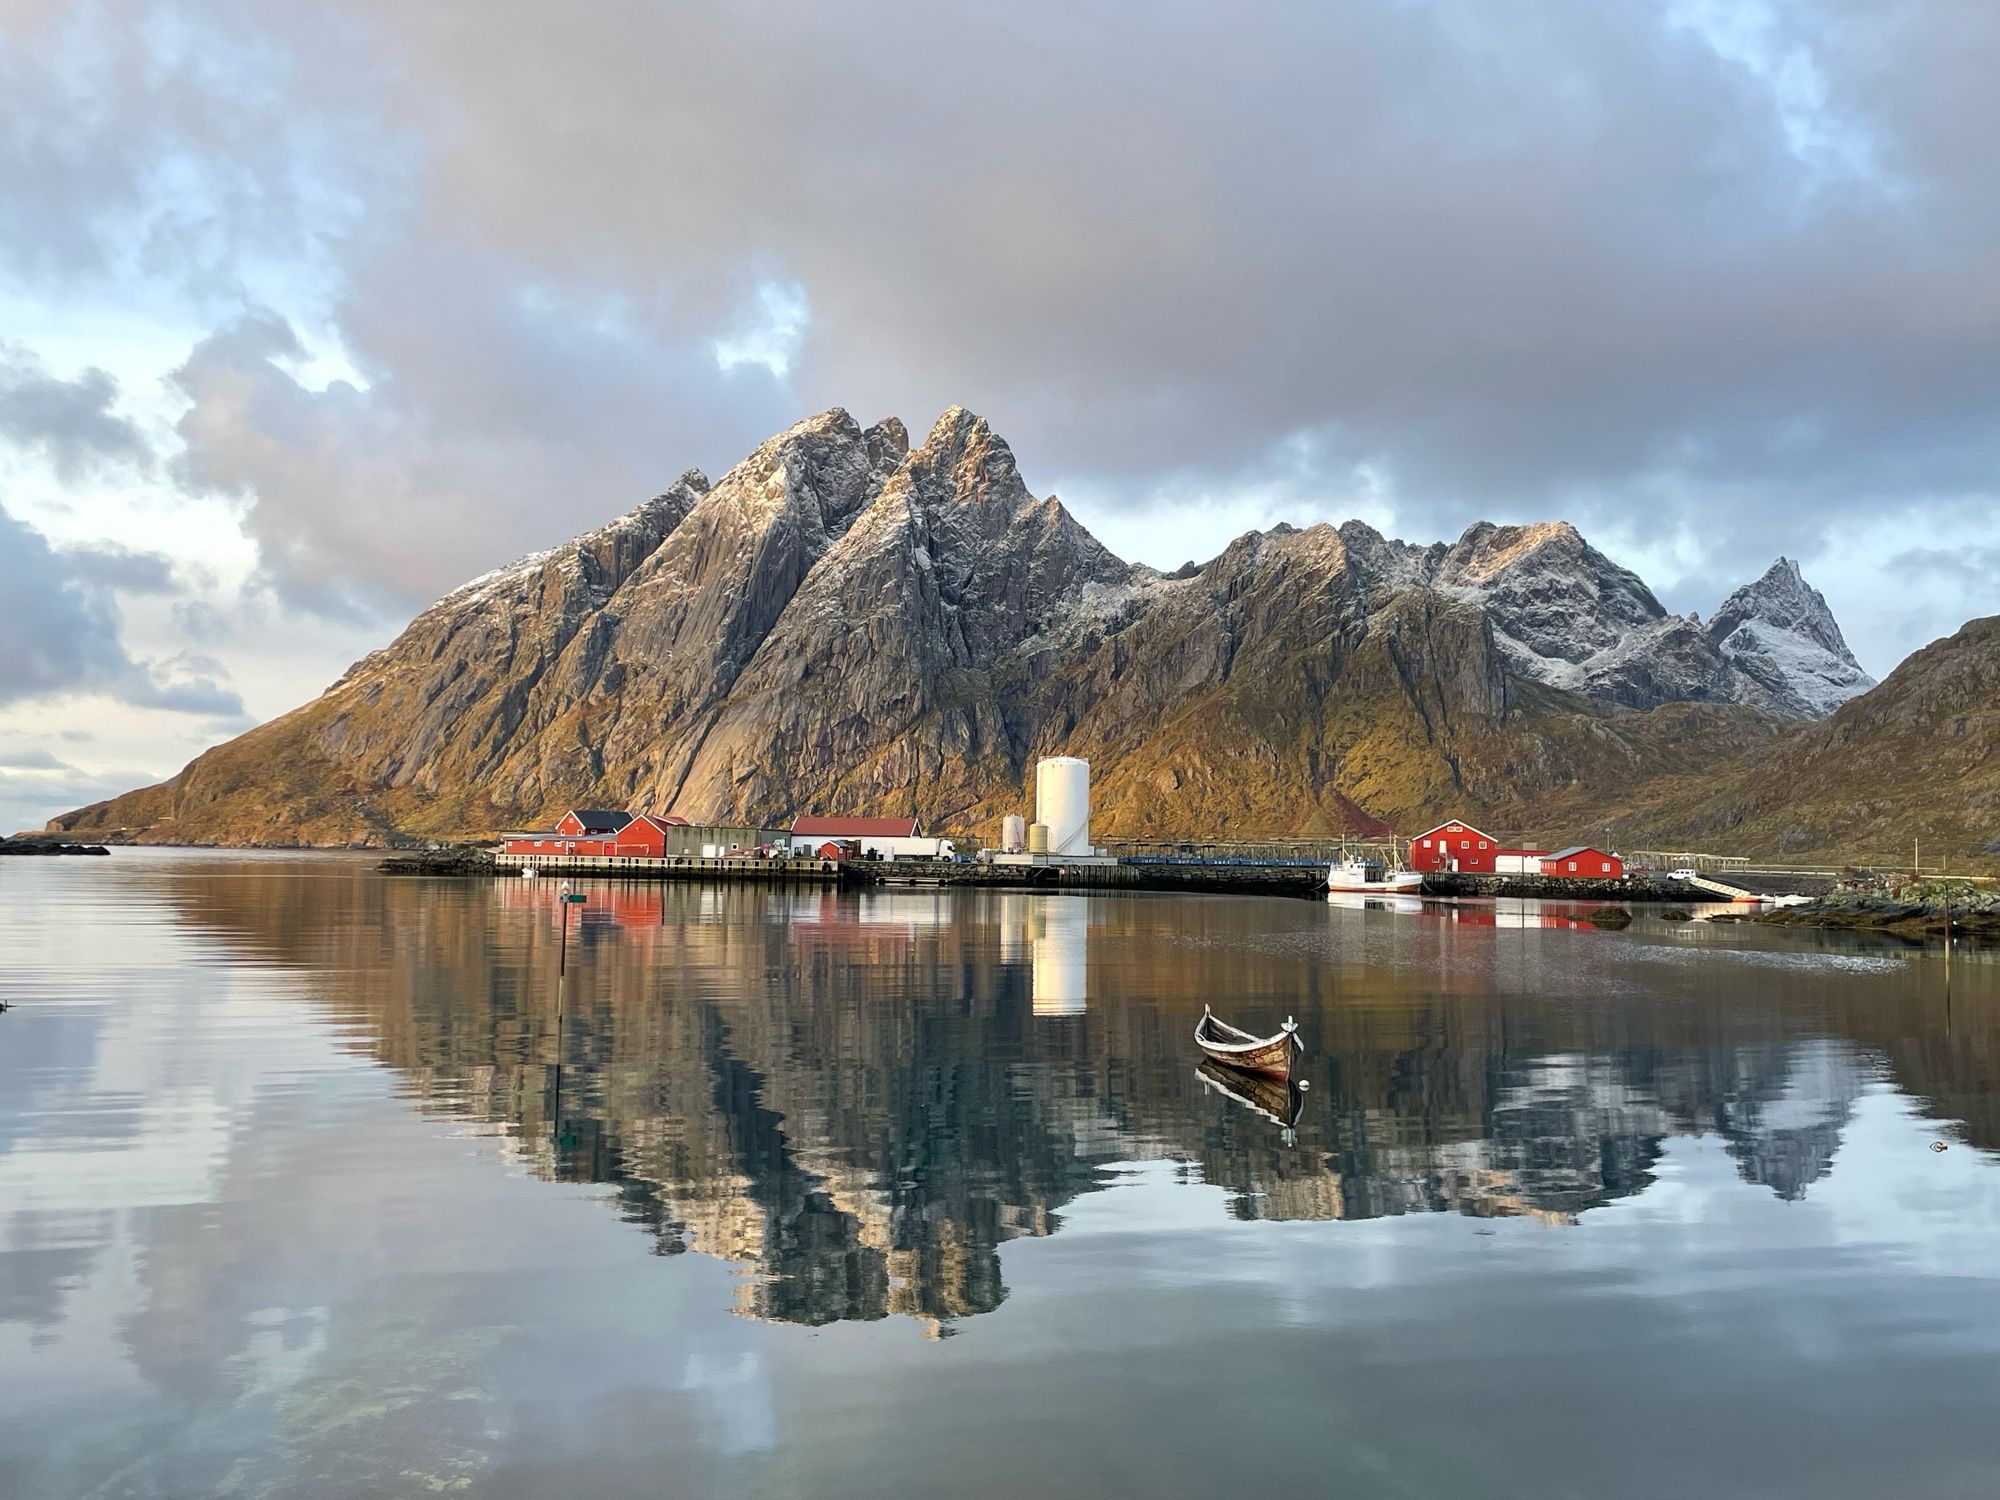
(690, 867)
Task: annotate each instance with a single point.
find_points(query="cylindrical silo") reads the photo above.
(1013, 833)
(1062, 800)
(1038, 838)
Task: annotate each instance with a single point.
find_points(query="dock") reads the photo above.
(819, 872)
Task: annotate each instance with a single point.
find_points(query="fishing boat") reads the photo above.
(1372, 878)
(1235, 1048)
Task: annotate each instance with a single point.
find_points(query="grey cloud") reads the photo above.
(69, 422)
(1973, 566)
(1583, 262)
(30, 758)
(28, 799)
(122, 569)
(491, 425)
(59, 636)
(54, 635)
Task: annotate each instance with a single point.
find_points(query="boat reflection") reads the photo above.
(1359, 901)
(1281, 1101)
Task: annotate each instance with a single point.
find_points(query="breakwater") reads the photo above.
(1542, 888)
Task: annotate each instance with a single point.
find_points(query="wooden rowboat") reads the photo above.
(1235, 1048)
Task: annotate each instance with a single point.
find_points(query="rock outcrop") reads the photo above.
(843, 622)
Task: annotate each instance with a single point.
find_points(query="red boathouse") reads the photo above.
(1583, 862)
(1454, 846)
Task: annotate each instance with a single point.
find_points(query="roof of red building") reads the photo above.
(813, 826)
(598, 819)
(1454, 823)
(1576, 849)
(661, 820)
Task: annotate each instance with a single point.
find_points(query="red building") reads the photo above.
(645, 837)
(1459, 848)
(591, 822)
(597, 830)
(1455, 846)
(1583, 862)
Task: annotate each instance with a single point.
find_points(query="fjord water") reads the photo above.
(307, 1189)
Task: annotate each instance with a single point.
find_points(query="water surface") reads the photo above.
(314, 1182)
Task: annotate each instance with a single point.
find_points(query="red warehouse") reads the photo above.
(1583, 862)
(581, 830)
(1454, 846)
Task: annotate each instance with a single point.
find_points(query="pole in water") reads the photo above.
(565, 901)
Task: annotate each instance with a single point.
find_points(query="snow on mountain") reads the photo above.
(1565, 615)
(1779, 633)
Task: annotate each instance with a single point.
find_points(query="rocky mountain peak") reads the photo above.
(963, 456)
(888, 444)
(1780, 633)
(842, 620)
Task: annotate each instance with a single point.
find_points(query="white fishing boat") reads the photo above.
(1372, 878)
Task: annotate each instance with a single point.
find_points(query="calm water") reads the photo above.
(306, 1190)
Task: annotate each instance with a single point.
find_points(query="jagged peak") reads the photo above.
(888, 443)
(1489, 548)
(965, 454)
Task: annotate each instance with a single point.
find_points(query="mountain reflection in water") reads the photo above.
(858, 1097)
(305, 1193)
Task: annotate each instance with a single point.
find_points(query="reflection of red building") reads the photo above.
(1582, 862)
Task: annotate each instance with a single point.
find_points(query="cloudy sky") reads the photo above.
(308, 313)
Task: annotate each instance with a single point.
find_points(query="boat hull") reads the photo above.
(1400, 883)
(1232, 1047)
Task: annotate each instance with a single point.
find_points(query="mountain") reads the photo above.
(1916, 758)
(844, 623)
(1780, 635)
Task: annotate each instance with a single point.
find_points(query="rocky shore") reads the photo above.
(48, 846)
(1914, 909)
(1542, 888)
(459, 859)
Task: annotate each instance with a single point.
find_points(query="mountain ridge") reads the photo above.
(844, 622)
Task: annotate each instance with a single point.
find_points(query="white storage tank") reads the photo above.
(1062, 801)
(1013, 833)
(1038, 838)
